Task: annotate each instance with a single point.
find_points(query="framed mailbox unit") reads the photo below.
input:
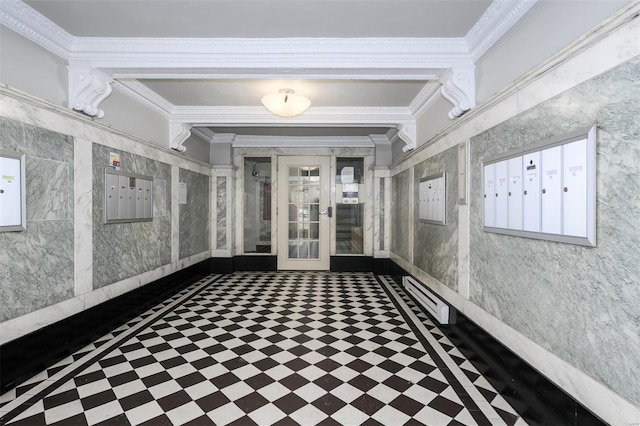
(432, 199)
(546, 190)
(128, 197)
(13, 212)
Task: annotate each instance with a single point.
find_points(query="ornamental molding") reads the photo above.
(408, 134)
(257, 115)
(141, 93)
(268, 46)
(499, 17)
(93, 60)
(380, 139)
(87, 89)
(178, 134)
(260, 141)
(203, 133)
(459, 88)
(28, 22)
(425, 98)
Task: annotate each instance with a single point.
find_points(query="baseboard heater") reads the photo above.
(436, 307)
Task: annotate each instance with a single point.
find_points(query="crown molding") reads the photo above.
(128, 58)
(380, 139)
(257, 115)
(499, 17)
(254, 141)
(372, 58)
(141, 93)
(203, 133)
(31, 24)
(426, 97)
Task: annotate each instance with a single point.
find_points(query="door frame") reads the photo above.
(325, 228)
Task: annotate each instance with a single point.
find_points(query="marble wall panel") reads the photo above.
(435, 247)
(37, 264)
(160, 202)
(381, 202)
(48, 192)
(194, 216)
(400, 212)
(581, 303)
(221, 213)
(123, 250)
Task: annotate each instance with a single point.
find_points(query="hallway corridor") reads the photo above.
(267, 348)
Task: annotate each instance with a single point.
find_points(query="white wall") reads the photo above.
(30, 68)
(197, 149)
(131, 117)
(548, 27)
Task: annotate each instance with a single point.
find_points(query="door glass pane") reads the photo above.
(349, 205)
(314, 212)
(293, 231)
(304, 250)
(293, 250)
(257, 205)
(314, 231)
(304, 212)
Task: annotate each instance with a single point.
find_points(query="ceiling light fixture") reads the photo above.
(286, 103)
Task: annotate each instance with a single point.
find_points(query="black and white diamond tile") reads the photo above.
(501, 407)
(255, 348)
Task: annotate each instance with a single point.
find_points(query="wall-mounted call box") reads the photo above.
(128, 197)
(13, 210)
(545, 190)
(432, 193)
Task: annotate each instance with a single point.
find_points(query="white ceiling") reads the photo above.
(263, 18)
(363, 63)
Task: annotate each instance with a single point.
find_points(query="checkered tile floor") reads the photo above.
(267, 348)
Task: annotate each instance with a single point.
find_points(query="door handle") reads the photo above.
(328, 211)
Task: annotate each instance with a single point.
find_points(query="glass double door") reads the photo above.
(304, 213)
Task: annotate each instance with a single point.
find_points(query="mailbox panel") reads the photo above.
(488, 176)
(128, 197)
(501, 190)
(440, 199)
(433, 203)
(11, 206)
(123, 197)
(422, 200)
(531, 192)
(111, 197)
(148, 199)
(514, 194)
(139, 191)
(551, 189)
(574, 188)
(432, 194)
(551, 195)
(13, 192)
(131, 202)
